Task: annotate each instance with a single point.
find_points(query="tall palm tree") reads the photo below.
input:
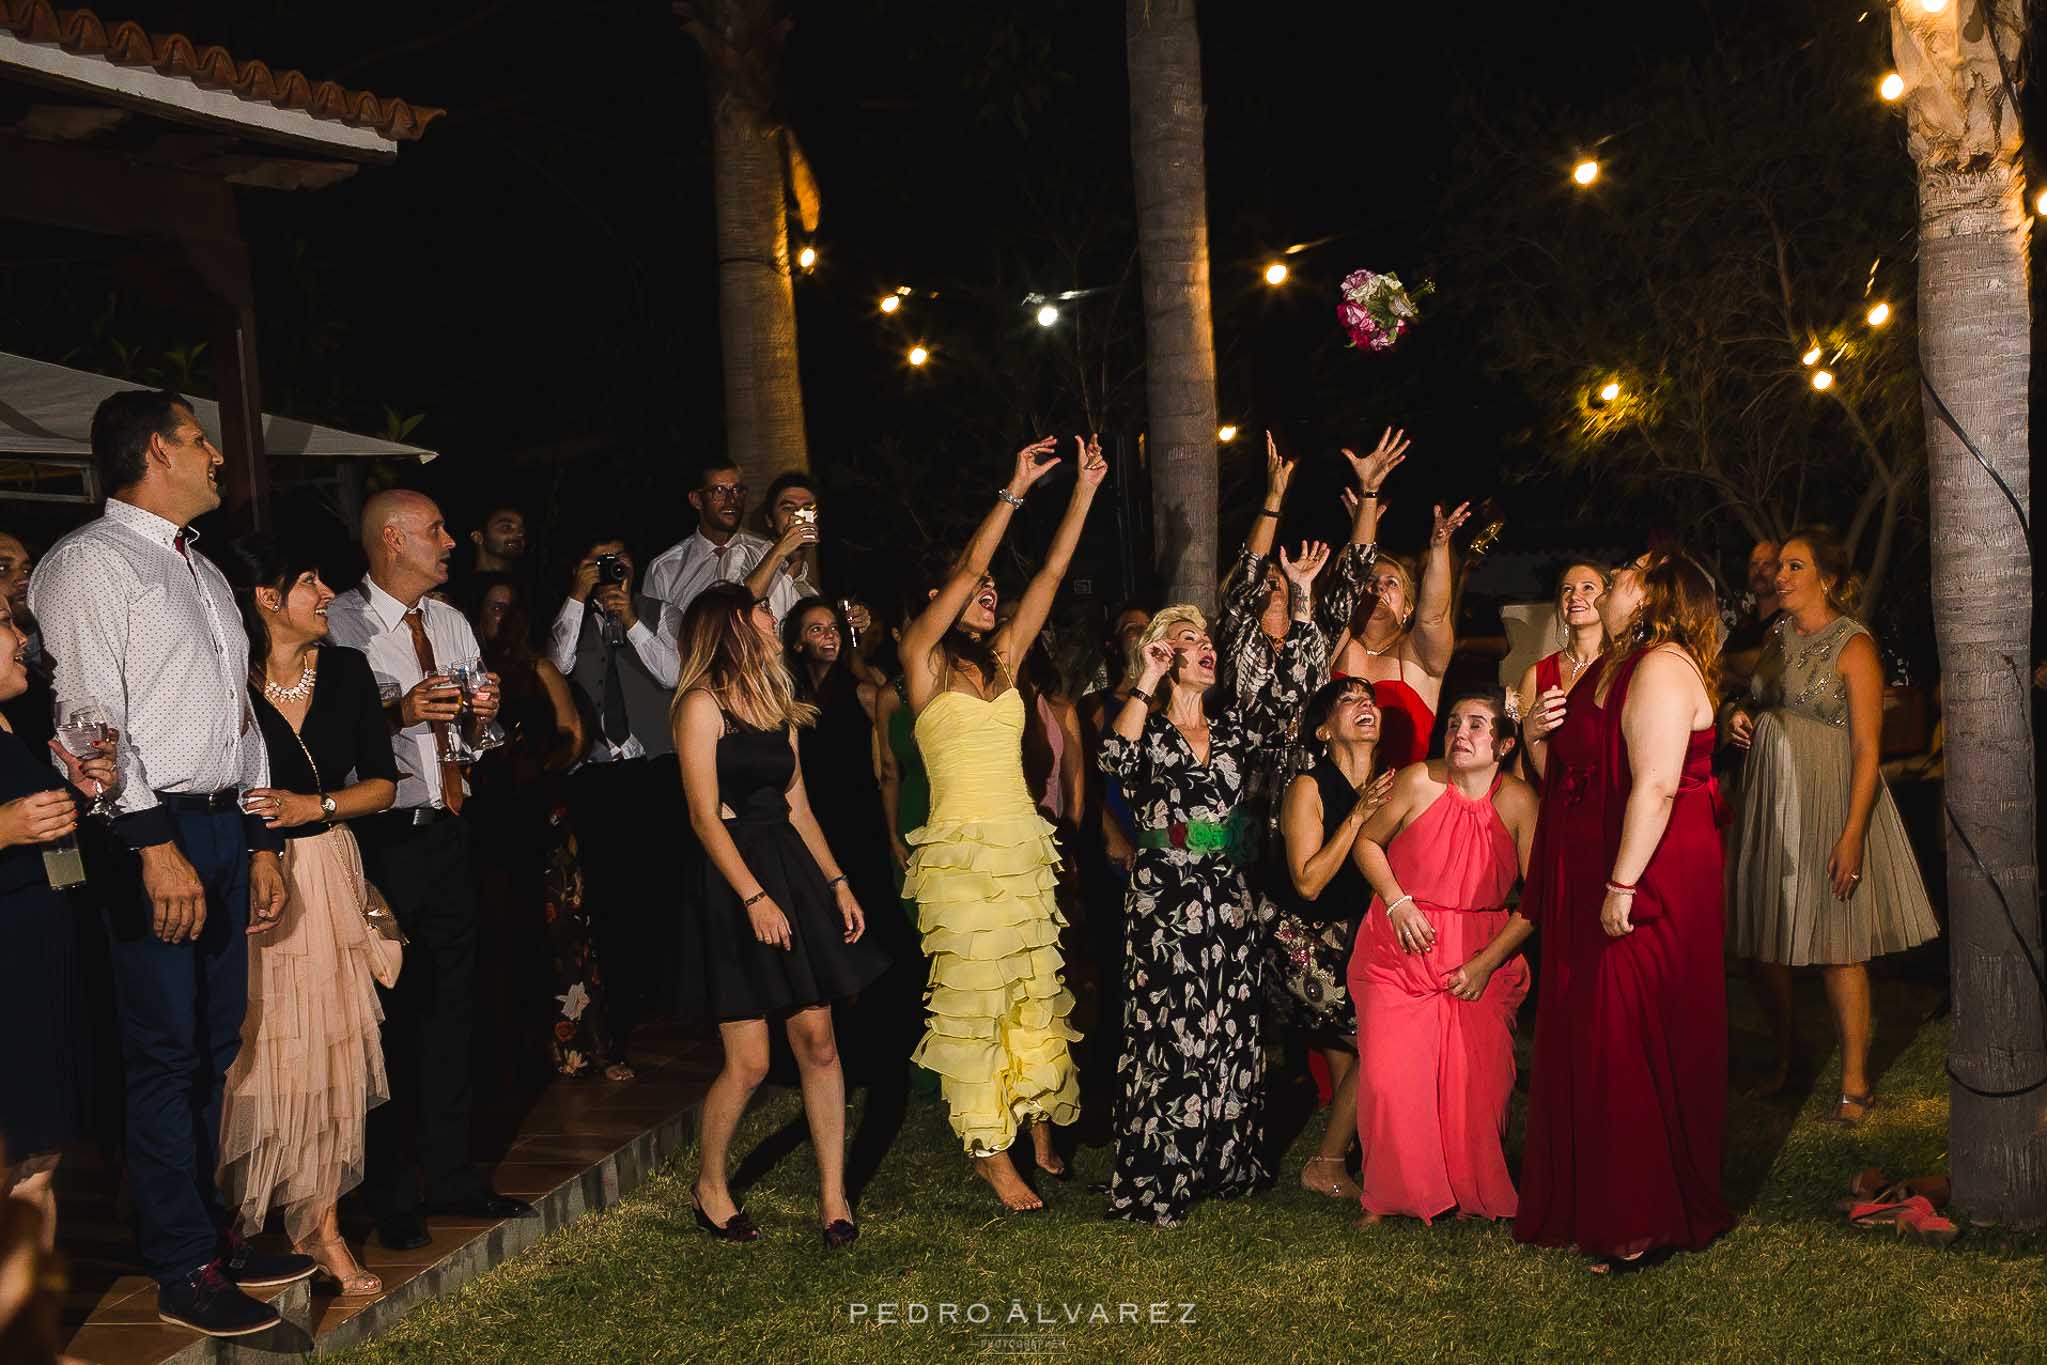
(756, 168)
(1166, 115)
(1975, 342)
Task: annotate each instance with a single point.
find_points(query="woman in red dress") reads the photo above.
(1403, 643)
(1549, 680)
(1629, 1098)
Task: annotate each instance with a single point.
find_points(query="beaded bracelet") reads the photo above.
(1617, 889)
(1396, 905)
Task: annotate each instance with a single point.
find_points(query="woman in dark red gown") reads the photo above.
(1628, 1103)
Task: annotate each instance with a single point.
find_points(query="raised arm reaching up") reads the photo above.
(921, 672)
(1434, 634)
(1013, 640)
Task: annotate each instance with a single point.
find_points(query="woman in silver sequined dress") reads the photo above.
(1819, 872)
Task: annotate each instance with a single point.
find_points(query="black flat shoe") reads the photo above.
(738, 1228)
(402, 1232)
(840, 1233)
(496, 1207)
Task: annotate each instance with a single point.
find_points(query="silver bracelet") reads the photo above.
(1012, 499)
(1396, 905)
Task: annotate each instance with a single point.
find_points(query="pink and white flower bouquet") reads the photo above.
(1376, 309)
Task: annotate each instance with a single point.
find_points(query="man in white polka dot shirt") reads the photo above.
(137, 622)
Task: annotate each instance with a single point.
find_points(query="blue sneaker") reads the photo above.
(207, 1302)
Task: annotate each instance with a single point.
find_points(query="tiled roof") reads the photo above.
(125, 43)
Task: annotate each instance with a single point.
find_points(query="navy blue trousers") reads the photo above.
(181, 1007)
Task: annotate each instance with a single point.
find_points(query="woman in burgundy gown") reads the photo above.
(1628, 1103)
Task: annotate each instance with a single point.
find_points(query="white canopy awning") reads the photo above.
(46, 412)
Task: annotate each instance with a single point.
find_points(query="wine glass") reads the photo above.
(83, 730)
(473, 676)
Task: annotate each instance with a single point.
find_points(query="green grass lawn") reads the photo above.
(1280, 1277)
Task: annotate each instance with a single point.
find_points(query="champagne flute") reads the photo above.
(82, 732)
(473, 676)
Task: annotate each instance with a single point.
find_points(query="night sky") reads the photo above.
(536, 275)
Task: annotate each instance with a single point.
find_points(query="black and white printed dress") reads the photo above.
(1189, 1113)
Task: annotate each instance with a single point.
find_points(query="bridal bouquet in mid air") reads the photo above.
(1376, 309)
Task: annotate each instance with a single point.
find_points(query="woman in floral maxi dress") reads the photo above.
(1189, 1117)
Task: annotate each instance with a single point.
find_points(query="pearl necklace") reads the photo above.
(298, 691)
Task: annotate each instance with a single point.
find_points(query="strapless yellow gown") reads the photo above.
(982, 871)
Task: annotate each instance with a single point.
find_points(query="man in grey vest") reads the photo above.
(617, 648)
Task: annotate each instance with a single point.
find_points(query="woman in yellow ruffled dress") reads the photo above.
(982, 868)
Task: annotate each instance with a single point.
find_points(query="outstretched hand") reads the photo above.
(1030, 467)
(1302, 568)
(1352, 502)
(1279, 471)
(1093, 468)
(1371, 470)
(1446, 526)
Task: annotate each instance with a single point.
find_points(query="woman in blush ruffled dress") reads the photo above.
(1628, 1105)
(1437, 976)
(311, 1066)
(983, 868)
(1819, 870)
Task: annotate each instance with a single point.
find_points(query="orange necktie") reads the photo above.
(451, 772)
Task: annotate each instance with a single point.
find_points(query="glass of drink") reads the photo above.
(83, 730)
(473, 676)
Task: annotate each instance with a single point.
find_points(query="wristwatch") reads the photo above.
(327, 806)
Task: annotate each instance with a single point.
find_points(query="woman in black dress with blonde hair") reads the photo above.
(777, 933)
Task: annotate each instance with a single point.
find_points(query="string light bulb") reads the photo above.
(1610, 391)
(1275, 274)
(1226, 433)
(1810, 358)
(1933, 6)
(1047, 315)
(2040, 204)
(1880, 314)
(1891, 86)
(807, 257)
(1823, 380)
(890, 302)
(918, 355)
(1585, 172)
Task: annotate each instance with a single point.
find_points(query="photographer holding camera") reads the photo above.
(617, 649)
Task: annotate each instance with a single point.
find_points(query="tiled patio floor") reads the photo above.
(576, 1147)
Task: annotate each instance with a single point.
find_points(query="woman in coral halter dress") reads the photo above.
(982, 868)
(1628, 1104)
(1437, 976)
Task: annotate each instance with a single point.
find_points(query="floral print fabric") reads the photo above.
(1189, 1116)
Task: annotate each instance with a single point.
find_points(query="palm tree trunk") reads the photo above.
(1166, 117)
(742, 42)
(1975, 346)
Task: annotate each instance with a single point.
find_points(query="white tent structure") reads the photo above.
(46, 423)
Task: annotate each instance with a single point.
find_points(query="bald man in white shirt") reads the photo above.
(418, 854)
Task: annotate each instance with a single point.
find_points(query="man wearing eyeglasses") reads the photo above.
(717, 551)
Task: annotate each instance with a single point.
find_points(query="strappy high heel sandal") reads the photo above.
(357, 1284)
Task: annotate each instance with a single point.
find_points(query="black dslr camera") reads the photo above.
(610, 571)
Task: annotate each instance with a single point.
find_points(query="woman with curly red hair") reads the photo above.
(1628, 1105)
